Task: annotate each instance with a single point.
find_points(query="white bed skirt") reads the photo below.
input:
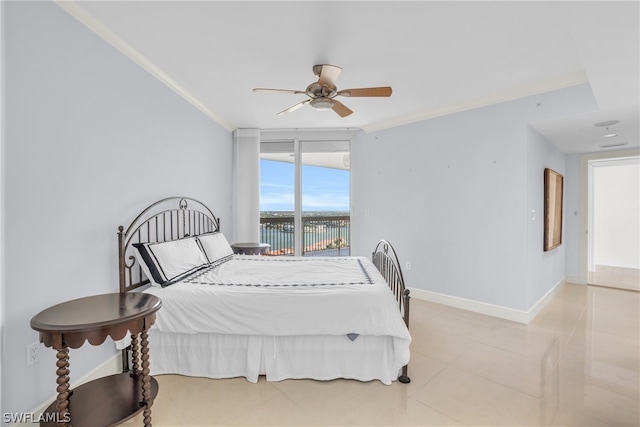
(324, 357)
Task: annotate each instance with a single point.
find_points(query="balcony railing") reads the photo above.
(323, 235)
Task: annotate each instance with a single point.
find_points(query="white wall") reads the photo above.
(453, 194)
(2, 281)
(572, 217)
(446, 201)
(544, 269)
(91, 139)
(617, 215)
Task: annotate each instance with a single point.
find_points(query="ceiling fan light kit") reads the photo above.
(322, 104)
(323, 92)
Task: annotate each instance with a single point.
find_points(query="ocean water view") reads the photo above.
(323, 232)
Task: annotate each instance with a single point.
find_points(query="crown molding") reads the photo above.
(86, 19)
(521, 92)
(76, 10)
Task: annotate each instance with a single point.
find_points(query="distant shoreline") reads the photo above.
(317, 236)
(271, 214)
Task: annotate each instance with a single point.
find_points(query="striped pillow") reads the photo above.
(169, 262)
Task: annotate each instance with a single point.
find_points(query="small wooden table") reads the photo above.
(250, 248)
(112, 399)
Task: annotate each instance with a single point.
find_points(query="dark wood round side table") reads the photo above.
(250, 248)
(113, 399)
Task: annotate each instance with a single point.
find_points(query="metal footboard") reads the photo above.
(385, 259)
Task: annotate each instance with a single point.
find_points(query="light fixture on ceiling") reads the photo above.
(322, 103)
(321, 94)
(607, 135)
(606, 123)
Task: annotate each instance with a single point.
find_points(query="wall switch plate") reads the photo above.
(408, 265)
(32, 353)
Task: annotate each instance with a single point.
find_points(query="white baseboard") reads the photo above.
(538, 306)
(520, 316)
(111, 366)
(577, 280)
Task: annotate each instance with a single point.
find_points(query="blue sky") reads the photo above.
(323, 189)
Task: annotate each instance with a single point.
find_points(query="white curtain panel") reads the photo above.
(246, 173)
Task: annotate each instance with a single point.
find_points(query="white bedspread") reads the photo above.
(285, 271)
(283, 297)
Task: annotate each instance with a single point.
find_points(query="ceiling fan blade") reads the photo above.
(293, 108)
(340, 108)
(366, 91)
(262, 89)
(329, 74)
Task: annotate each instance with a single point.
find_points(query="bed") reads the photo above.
(226, 315)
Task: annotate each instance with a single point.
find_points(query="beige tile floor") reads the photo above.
(576, 364)
(618, 277)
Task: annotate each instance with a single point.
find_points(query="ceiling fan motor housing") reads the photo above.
(317, 90)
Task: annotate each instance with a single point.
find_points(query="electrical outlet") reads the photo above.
(32, 353)
(408, 265)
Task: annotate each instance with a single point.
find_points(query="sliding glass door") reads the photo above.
(325, 197)
(304, 197)
(278, 197)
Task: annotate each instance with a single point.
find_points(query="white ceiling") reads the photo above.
(439, 57)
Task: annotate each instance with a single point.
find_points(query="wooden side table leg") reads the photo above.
(63, 386)
(146, 381)
(134, 354)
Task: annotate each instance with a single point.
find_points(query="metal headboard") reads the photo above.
(385, 259)
(167, 219)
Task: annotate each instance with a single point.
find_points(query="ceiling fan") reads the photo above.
(323, 92)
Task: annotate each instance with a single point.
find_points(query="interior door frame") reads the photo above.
(586, 204)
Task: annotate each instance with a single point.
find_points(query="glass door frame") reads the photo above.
(298, 138)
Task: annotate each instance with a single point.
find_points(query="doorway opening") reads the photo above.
(614, 223)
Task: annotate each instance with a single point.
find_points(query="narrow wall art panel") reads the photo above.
(553, 187)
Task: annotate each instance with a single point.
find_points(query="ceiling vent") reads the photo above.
(607, 123)
(613, 144)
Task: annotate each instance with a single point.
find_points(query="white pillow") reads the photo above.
(215, 246)
(169, 262)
